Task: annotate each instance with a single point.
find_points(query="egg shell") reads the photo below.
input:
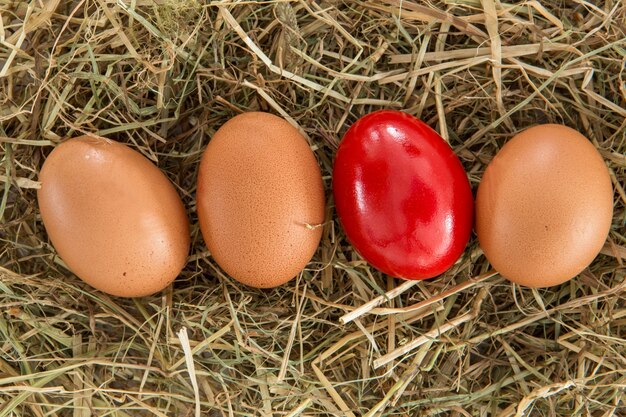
(260, 199)
(402, 195)
(544, 206)
(113, 216)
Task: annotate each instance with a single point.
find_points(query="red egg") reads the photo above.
(402, 195)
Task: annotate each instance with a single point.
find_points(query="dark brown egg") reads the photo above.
(113, 217)
(260, 199)
(544, 206)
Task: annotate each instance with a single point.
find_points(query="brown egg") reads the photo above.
(113, 217)
(260, 197)
(544, 206)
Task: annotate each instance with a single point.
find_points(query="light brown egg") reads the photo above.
(260, 199)
(113, 217)
(544, 206)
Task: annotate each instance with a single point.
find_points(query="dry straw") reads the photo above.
(341, 339)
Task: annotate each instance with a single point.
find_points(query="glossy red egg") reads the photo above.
(402, 195)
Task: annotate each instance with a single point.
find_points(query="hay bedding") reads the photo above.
(162, 75)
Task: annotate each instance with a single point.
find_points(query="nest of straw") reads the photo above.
(341, 339)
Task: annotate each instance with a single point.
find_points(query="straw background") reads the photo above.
(163, 75)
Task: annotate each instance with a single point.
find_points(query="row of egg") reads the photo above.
(543, 208)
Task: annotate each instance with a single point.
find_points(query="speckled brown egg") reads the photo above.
(544, 206)
(113, 217)
(260, 199)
